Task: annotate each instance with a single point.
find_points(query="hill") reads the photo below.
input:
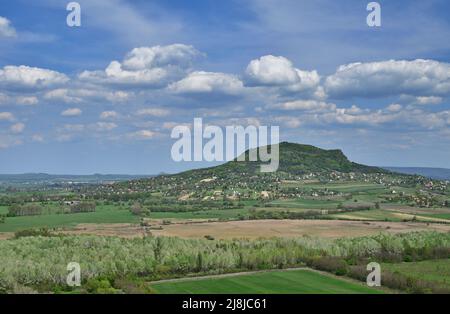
(295, 159)
(433, 173)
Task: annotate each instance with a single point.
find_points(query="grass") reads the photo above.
(3, 210)
(289, 282)
(305, 204)
(441, 215)
(437, 271)
(203, 214)
(103, 214)
(373, 214)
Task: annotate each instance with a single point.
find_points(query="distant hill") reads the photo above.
(433, 173)
(296, 159)
(44, 178)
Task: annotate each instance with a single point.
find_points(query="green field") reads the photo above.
(290, 282)
(373, 214)
(201, 214)
(437, 271)
(103, 214)
(304, 204)
(3, 210)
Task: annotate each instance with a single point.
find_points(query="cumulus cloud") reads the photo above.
(16, 77)
(6, 29)
(37, 138)
(17, 128)
(27, 100)
(201, 82)
(394, 107)
(104, 126)
(149, 66)
(305, 105)
(155, 112)
(387, 78)
(271, 71)
(430, 100)
(142, 135)
(8, 141)
(8, 116)
(71, 112)
(108, 115)
(61, 94)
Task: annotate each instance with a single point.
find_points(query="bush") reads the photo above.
(99, 286)
(335, 265)
(43, 232)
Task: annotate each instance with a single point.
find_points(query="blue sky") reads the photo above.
(103, 97)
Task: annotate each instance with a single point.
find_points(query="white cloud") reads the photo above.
(6, 29)
(156, 112)
(430, 100)
(386, 78)
(8, 141)
(160, 56)
(290, 122)
(271, 71)
(3, 98)
(71, 112)
(6, 116)
(30, 77)
(108, 115)
(73, 127)
(142, 135)
(37, 138)
(17, 128)
(61, 94)
(149, 66)
(305, 105)
(117, 96)
(394, 107)
(201, 82)
(27, 100)
(104, 126)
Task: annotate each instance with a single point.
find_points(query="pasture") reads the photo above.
(288, 282)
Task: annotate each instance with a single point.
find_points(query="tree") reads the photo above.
(136, 209)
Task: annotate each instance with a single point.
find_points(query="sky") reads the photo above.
(104, 97)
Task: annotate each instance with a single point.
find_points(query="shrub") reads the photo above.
(335, 265)
(42, 232)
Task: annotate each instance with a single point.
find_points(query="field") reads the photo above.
(103, 214)
(288, 282)
(290, 228)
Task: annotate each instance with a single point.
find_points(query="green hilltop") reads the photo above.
(294, 159)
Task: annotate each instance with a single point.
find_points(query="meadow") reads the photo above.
(273, 282)
(103, 214)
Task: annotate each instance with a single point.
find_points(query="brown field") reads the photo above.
(292, 228)
(251, 229)
(6, 235)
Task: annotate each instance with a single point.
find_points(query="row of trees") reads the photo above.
(24, 210)
(34, 209)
